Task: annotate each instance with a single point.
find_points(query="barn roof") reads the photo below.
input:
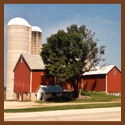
(100, 70)
(34, 62)
(51, 89)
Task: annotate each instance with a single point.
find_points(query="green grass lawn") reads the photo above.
(96, 97)
(66, 107)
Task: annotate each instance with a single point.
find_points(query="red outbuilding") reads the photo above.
(30, 73)
(105, 79)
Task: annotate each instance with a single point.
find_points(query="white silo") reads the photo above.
(18, 41)
(36, 41)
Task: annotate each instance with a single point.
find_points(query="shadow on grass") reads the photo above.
(95, 97)
(66, 97)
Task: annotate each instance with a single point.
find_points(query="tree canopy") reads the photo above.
(67, 55)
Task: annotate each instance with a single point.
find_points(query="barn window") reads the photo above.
(114, 72)
(21, 60)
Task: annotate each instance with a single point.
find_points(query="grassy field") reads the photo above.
(66, 107)
(96, 97)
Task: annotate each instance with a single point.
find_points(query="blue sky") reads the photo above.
(103, 19)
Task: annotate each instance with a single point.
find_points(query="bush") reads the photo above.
(67, 96)
(4, 88)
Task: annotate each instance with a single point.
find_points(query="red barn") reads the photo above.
(29, 74)
(106, 79)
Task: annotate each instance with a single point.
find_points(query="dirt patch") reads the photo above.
(115, 101)
(19, 105)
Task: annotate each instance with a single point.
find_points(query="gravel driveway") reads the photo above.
(19, 105)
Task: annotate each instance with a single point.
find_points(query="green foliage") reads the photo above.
(66, 53)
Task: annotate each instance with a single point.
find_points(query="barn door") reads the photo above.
(17, 95)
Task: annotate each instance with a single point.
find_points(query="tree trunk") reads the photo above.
(79, 91)
(75, 86)
(75, 91)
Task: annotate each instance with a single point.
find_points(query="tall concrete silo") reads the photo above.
(36, 41)
(18, 41)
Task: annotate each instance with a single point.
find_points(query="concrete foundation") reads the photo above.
(26, 96)
(114, 93)
(33, 96)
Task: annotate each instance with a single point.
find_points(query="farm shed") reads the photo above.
(45, 92)
(105, 79)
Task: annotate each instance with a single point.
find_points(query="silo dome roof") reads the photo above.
(18, 21)
(36, 28)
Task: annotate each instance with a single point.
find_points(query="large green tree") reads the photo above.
(67, 55)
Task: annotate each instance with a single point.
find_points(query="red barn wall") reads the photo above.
(39, 79)
(94, 83)
(22, 78)
(114, 81)
(91, 82)
(67, 86)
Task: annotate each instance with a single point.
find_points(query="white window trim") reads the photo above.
(30, 81)
(106, 84)
(113, 72)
